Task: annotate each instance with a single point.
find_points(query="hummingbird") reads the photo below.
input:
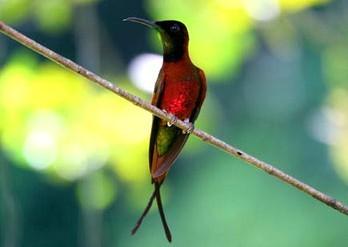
(180, 90)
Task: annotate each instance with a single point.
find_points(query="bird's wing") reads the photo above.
(156, 101)
(161, 163)
(202, 93)
(161, 159)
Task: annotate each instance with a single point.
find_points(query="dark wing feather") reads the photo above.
(156, 101)
(201, 97)
(166, 161)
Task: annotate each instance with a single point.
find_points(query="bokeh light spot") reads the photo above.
(263, 10)
(143, 71)
(40, 145)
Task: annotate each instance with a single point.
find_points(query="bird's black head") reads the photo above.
(174, 37)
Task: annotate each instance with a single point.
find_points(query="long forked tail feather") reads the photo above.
(155, 194)
(161, 212)
(146, 210)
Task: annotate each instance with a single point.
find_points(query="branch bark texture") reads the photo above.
(31, 44)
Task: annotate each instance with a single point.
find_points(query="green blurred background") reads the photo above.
(73, 156)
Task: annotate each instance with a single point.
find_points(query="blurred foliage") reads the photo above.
(277, 88)
(338, 102)
(51, 16)
(47, 123)
(97, 191)
(335, 68)
(295, 5)
(336, 64)
(223, 28)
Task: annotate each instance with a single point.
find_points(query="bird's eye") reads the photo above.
(175, 28)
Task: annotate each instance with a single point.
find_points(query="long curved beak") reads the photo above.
(147, 23)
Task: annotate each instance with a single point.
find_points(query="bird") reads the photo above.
(180, 90)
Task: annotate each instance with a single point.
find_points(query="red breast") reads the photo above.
(181, 89)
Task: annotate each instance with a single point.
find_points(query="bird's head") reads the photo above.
(174, 36)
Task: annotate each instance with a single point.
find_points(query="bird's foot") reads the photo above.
(191, 127)
(173, 119)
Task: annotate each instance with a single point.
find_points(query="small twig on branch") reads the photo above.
(31, 44)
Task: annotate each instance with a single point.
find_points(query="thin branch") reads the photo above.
(31, 44)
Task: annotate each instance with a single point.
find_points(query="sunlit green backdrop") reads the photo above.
(73, 156)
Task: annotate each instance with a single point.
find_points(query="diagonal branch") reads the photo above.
(31, 44)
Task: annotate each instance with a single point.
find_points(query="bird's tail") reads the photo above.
(146, 210)
(155, 194)
(161, 212)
